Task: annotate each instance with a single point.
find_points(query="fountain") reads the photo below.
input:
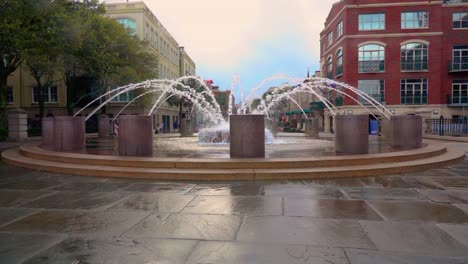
(238, 148)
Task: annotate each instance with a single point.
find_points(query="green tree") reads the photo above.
(223, 101)
(42, 51)
(255, 103)
(183, 101)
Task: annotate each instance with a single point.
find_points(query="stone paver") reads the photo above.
(163, 203)
(304, 230)
(235, 205)
(446, 196)
(358, 256)
(419, 211)
(339, 209)
(411, 237)
(77, 222)
(7, 215)
(383, 194)
(188, 226)
(248, 253)
(77, 200)
(459, 232)
(16, 248)
(11, 198)
(81, 250)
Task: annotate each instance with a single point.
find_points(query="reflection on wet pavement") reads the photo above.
(406, 218)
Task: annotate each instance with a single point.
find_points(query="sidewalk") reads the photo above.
(448, 138)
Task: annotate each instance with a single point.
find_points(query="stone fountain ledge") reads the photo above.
(432, 156)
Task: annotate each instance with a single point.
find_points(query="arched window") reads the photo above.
(128, 23)
(330, 67)
(372, 58)
(339, 62)
(414, 56)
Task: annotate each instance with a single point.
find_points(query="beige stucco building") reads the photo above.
(173, 63)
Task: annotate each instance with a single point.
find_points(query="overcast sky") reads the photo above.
(252, 38)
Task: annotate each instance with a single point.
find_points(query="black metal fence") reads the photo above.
(447, 127)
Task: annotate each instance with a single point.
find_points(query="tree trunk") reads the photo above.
(3, 92)
(69, 84)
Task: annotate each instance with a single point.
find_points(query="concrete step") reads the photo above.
(17, 158)
(34, 151)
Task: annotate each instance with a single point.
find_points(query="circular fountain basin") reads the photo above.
(211, 164)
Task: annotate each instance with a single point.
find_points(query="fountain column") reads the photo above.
(186, 127)
(69, 133)
(406, 131)
(47, 132)
(104, 127)
(312, 127)
(135, 135)
(247, 136)
(352, 134)
(385, 127)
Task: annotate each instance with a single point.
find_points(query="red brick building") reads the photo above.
(411, 55)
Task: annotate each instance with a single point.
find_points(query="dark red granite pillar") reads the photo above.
(104, 126)
(352, 134)
(47, 132)
(406, 131)
(69, 133)
(247, 136)
(135, 135)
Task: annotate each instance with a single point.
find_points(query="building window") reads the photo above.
(413, 91)
(460, 58)
(9, 94)
(50, 94)
(373, 88)
(371, 58)
(339, 62)
(372, 21)
(414, 56)
(124, 97)
(129, 24)
(330, 68)
(339, 29)
(460, 92)
(419, 19)
(460, 20)
(330, 38)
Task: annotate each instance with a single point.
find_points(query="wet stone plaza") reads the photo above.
(408, 218)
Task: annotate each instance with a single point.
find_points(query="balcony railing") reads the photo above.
(413, 65)
(458, 100)
(458, 66)
(413, 100)
(371, 66)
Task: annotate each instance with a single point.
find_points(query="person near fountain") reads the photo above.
(116, 128)
(156, 131)
(174, 125)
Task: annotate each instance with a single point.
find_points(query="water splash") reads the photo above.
(194, 90)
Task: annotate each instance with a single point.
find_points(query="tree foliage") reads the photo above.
(69, 39)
